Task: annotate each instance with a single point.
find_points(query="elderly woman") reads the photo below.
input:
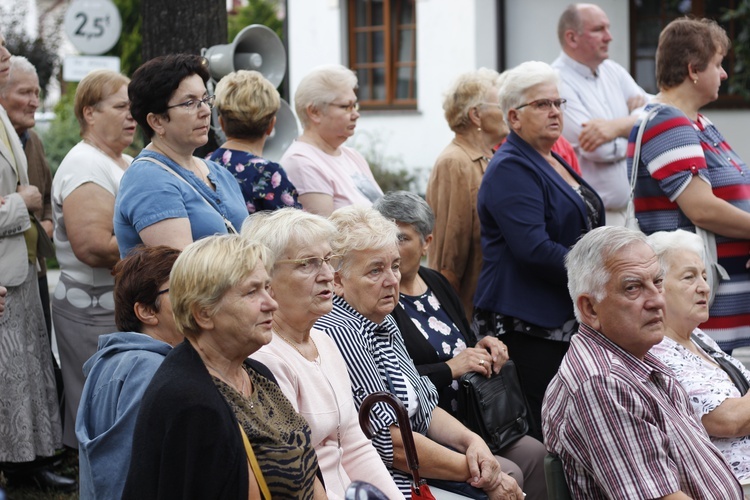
(247, 105)
(169, 197)
(206, 398)
(30, 426)
(694, 357)
(709, 191)
(305, 361)
(118, 374)
(327, 174)
(360, 324)
(472, 111)
(532, 208)
(437, 335)
(83, 201)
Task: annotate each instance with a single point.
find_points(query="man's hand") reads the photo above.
(636, 102)
(596, 132)
(31, 196)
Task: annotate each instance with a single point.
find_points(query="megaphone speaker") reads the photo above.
(283, 134)
(256, 47)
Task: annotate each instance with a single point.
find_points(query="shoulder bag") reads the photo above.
(495, 407)
(734, 373)
(255, 466)
(631, 221)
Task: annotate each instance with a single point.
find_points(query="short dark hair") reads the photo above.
(687, 41)
(137, 279)
(154, 83)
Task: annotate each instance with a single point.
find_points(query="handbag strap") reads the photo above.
(734, 373)
(637, 155)
(227, 222)
(255, 466)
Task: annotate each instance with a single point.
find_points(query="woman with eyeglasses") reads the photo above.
(305, 361)
(532, 208)
(327, 174)
(168, 196)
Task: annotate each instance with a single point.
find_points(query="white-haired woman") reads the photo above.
(695, 358)
(532, 208)
(247, 104)
(360, 324)
(327, 174)
(472, 110)
(207, 397)
(305, 361)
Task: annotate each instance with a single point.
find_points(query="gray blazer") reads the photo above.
(14, 216)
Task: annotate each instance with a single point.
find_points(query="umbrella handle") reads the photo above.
(403, 424)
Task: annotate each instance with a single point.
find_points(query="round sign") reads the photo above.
(93, 26)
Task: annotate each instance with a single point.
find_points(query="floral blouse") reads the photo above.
(443, 335)
(264, 184)
(708, 386)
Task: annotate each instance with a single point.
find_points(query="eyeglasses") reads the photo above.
(493, 104)
(312, 265)
(161, 292)
(349, 108)
(545, 104)
(194, 104)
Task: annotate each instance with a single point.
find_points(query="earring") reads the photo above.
(695, 82)
(479, 129)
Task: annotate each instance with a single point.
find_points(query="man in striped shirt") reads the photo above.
(619, 420)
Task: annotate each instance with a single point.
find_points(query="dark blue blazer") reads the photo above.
(529, 217)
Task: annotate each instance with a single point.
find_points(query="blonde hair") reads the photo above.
(361, 228)
(247, 103)
(320, 87)
(468, 91)
(205, 270)
(94, 88)
(281, 229)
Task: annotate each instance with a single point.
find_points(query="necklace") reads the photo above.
(242, 390)
(294, 345)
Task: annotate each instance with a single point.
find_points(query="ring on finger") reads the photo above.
(481, 362)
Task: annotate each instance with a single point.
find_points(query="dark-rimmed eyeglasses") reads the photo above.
(545, 104)
(162, 292)
(312, 265)
(194, 104)
(349, 108)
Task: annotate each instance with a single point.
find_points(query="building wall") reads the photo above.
(453, 36)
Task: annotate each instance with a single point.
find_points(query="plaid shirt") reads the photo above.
(624, 427)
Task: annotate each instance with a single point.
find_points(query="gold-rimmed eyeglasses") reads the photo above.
(349, 108)
(194, 104)
(312, 265)
(545, 104)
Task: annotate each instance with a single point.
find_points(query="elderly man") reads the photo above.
(617, 417)
(601, 95)
(20, 98)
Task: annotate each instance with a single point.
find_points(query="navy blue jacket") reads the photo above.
(530, 217)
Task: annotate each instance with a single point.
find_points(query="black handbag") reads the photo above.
(495, 407)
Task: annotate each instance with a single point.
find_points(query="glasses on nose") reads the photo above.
(194, 104)
(545, 104)
(349, 108)
(312, 265)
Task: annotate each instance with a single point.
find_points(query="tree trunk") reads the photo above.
(182, 26)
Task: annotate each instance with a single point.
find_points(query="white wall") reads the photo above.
(455, 36)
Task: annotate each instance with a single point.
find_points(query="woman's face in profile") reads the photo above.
(685, 291)
(534, 122)
(110, 120)
(339, 117)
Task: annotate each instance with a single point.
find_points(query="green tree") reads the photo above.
(255, 12)
(739, 83)
(128, 47)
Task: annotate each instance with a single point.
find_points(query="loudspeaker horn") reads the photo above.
(255, 47)
(284, 133)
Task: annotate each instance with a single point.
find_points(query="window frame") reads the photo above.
(698, 9)
(392, 31)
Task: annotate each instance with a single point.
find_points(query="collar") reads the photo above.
(579, 68)
(471, 151)
(369, 326)
(643, 369)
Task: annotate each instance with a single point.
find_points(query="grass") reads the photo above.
(68, 468)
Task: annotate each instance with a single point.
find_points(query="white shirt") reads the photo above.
(604, 95)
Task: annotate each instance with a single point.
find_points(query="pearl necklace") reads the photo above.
(294, 345)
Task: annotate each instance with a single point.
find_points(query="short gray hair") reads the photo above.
(585, 263)
(320, 87)
(18, 65)
(570, 19)
(361, 228)
(281, 229)
(517, 81)
(408, 208)
(666, 242)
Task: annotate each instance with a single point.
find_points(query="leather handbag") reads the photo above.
(495, 407)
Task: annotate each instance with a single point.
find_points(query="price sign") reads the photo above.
(93, 26)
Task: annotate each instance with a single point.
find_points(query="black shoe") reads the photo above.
(42, 478)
